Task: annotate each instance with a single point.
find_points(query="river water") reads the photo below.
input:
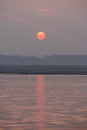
(40, 102)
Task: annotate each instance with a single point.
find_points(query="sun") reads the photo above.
(41, 35)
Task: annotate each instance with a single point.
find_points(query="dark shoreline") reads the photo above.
(44, 69)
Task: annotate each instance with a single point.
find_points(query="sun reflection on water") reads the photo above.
(40, 101)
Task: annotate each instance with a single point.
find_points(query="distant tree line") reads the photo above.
(45, 60)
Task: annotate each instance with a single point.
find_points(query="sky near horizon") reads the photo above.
(63, 21)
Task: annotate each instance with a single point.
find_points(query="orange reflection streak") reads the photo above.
(40, 102)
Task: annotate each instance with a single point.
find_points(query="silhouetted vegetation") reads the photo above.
(45, 60)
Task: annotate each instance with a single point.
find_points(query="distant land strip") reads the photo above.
(45, 60)
(44, 69)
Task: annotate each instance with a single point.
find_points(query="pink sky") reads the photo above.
(64, 21)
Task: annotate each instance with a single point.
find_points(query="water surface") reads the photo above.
(43, 102)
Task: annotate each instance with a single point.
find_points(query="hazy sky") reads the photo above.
(63, 21)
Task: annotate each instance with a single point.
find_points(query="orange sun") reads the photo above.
(41, 35)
